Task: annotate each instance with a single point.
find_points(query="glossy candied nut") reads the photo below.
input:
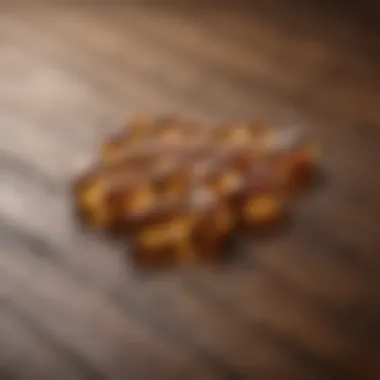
(297, 158)
(287, 141)
(264, 202)
(214, 223)
(200, 171)
(164, 233)
(113, 149)
(282, 140)
(263, 209)
(290, 154)
(263, 141)
(257, 137)
(256, 128)
(198, 149)
(173, 131)
(241, 157)
(126, 202)
(133, 134)
(140, 126)
(303, 163)
(171, 179)
(90, 195)
(168, 131)
(146, 155)
(171, 138)
(196, 130)
(106, 197)
(226, 182)
(138, 156)
(232, 133)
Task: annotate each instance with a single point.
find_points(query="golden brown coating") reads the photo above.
(265, 198)
(295, 157)
(90, 200)
(107, 198)
(171, 180)
(131, 136)
(214, 222)
(179, 188)
(303, 163)
(164, 232)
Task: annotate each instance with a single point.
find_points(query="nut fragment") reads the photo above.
(107, 197)
(90, 196)
(164, 233)
(264, 201)
(214, 222)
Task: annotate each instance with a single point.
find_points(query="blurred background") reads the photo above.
(303, 305)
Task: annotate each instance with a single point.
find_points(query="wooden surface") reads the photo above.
(303, 305)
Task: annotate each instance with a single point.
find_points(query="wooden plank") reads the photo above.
(214, 329)
(27, 355)
(122, 85)
(86, 323)
(172, 82)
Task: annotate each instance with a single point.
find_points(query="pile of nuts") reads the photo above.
(179, 189)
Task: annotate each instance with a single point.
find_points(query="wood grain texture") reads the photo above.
(303, 305)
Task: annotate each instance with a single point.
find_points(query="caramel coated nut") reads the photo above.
(214, 223)
(265, 198)
(171, 181)
(165, 232)
(179, 189)
(106, 199)
(90, 199)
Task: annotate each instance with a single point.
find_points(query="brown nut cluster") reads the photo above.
(178, 189)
